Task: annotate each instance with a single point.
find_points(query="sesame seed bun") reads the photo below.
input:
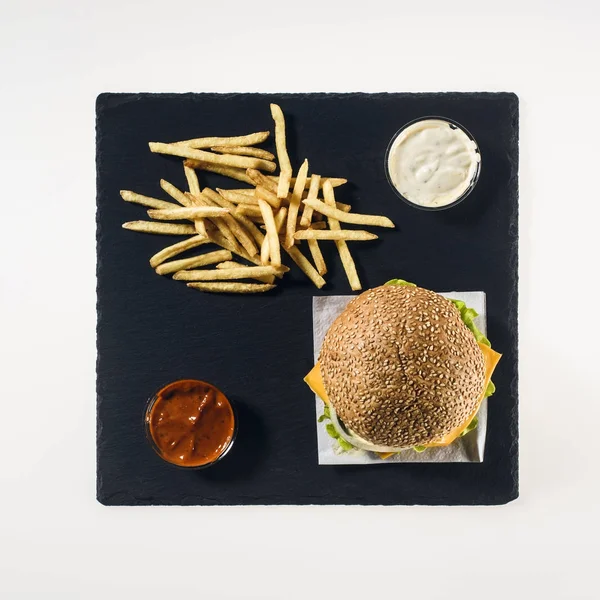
(400, 367)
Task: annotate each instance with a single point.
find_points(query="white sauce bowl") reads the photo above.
(433, 163)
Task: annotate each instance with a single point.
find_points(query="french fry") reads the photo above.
(283, 186)
(247, 223)
(355, 235)
(232, 172)
(305, 266)
(225, 274)
(221, 223)
(257, 178)
(246, 209)
(340, 205)
(342, 246)
(273, 239)
(264, 252)
(318, 216)
(346, 217)
(244, 238)
(220, 240)
(209, 258)
(318, 225)
(335, 181)
(160, 228)
(238, 140)
(218, 200)
(200, 227)
(175, 193)
(130, 196)
(280, 218)
(313, 192)
(244, 151)
(245, 191)
(199, 224)
(317, 255)
(190, 212)
(231, 287)
(237, 230)
(244, 199)
(227, 160)
(178, 248)
(295, 204)
(192, 180)
(256, 219)
(232, 264)
(237, 198)
(268, 196)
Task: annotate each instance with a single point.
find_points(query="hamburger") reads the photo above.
(402, 367)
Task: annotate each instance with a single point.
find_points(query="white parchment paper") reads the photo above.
(468, 448)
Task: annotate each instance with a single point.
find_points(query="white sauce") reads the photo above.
(432, 162)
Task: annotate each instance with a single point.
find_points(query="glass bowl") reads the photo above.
(148, 429)
(464, 194)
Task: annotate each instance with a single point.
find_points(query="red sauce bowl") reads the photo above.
(190, 424)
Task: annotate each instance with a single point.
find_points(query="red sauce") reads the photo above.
(191, 423)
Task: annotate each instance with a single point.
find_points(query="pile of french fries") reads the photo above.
(253, 223)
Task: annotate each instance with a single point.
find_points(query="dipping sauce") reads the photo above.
(433, 163)
(190, 423)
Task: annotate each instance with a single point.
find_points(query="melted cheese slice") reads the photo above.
(315, 383)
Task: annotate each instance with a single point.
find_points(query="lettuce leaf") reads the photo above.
(325, 414)
(468, 315)
(400, 282)
(472, 425)
(332, 431)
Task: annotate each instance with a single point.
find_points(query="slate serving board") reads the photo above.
(152, 330)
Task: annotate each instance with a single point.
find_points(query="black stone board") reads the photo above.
(152, 330)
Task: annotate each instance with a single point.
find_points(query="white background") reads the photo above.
(56, 541)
